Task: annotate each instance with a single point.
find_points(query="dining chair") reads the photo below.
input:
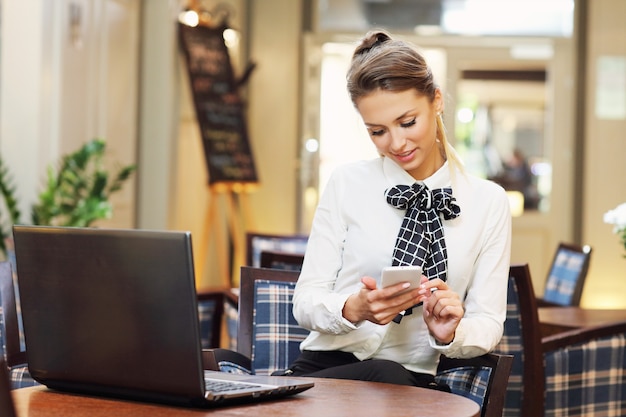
(268, 340)
(566, 277)
(258, 242)
(483, 379)
(7, 408)
(576, 373)
(267, 332)
(210, 316)
(522, 340)
(10, 335)
(282, 260)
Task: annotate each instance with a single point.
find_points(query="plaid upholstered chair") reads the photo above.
(267, 332)
(522, 339)
(576, 373)
(10, 335)
(566, 277)
(210, 317)
(269, 340)
(484, 380)
(585, 372)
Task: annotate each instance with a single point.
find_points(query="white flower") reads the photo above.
(616, 217)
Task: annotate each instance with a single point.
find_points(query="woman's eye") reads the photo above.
(377, 132)
(408, 124)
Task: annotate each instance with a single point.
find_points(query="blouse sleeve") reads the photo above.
(315, 305)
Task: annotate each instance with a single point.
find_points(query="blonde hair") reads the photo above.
(382, 63)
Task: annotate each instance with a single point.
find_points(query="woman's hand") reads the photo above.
(379, 305)
(443, 309)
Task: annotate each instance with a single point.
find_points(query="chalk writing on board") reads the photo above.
(218, 106)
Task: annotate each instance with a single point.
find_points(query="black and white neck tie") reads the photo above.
(421, 240)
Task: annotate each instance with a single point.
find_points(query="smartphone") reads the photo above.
(406, 273)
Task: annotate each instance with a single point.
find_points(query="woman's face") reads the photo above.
(403, 127)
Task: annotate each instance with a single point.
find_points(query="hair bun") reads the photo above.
(372, 40)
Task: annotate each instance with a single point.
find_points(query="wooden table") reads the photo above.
(558, 319)
(327, 397)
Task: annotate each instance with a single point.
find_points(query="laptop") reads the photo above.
(113, 312)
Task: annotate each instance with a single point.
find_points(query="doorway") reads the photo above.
(501, 95)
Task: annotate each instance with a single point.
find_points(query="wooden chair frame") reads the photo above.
(533, 377)
(269, 259)
(251, 236)
(13, 351)
(576, 336)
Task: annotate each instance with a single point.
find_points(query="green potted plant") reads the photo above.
(76, 194)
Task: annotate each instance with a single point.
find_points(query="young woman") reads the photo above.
(357, 327)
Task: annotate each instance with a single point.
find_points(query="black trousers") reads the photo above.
(344, 365)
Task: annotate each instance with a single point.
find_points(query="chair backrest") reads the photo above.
(10, 323)
(483, 379)
(259, 242)
(522, 339)
(210, 317)
(585, 371)
(282, 260)
(11, 336)
(7, 408)
(566, 278)
(267, 332)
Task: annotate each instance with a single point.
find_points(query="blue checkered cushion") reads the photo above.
(469, 381)
(587, 379)
(276, 335)
(564, 275)
(233, 368)
(513, 344)
(20, 377)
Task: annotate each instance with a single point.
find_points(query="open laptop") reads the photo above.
(113, 312)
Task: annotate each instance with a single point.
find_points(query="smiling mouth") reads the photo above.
(404, 155)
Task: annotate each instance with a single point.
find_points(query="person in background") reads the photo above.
(413, 205)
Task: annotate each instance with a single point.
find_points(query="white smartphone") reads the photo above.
(406, 273)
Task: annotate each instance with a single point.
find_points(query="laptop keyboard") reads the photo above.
(215, 386)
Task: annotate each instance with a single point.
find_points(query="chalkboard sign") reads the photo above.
(218, 106)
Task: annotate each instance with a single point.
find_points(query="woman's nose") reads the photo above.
(398, 140)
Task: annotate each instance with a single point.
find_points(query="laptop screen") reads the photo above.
(110, 308)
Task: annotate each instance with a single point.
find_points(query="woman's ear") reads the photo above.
(438, 103)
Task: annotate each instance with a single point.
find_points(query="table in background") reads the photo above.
(558, 319)
(328, 397)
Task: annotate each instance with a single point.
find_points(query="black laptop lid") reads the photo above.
(91, 300)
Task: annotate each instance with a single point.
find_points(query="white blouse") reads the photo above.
(353, 234)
